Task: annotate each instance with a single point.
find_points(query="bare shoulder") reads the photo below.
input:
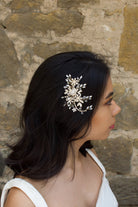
(17, 198)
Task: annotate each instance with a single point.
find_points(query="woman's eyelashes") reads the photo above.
(109, 102)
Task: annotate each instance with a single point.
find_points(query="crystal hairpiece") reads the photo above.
(72, 94)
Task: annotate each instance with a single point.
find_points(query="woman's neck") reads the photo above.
(74, 157)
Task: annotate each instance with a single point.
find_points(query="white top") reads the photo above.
(106, 197)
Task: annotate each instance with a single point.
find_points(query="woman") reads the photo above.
(68, 104)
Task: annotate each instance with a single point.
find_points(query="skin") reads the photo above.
(104, 116)
(83, 190)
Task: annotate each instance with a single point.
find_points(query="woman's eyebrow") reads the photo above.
(110, 94)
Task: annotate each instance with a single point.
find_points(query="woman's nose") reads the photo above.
(116, 108)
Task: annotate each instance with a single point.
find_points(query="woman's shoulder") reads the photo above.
(16, 198)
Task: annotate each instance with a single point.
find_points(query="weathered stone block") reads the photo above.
(25, 5)
(115, 154)
(9, 118)
(70, 3)
(128, 117)
(28, 23)
(136, 143)
(7, 175)
(126, 190)
(47, 50)
(1, 165)
(9, 64)
(110, 12)
(128, 54)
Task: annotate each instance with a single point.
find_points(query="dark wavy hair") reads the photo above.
(48, 126)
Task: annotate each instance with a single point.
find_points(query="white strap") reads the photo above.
(27, 188)
(96, 160)
(106, 197)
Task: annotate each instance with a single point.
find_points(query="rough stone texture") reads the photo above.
(7, 175)
(9, 117)
(53, 21)
(4, 12)
(70, 3)
(136, 143)
(134, 162)
(24, 5)
(110, 12)
(111, 150)
(46, 50)
(126, 190)
(128, 56)
(9, 64)
(1, 165)
(128, 118)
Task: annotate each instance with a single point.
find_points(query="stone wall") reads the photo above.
(32, 30)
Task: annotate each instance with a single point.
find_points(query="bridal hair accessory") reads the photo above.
(72, 94)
